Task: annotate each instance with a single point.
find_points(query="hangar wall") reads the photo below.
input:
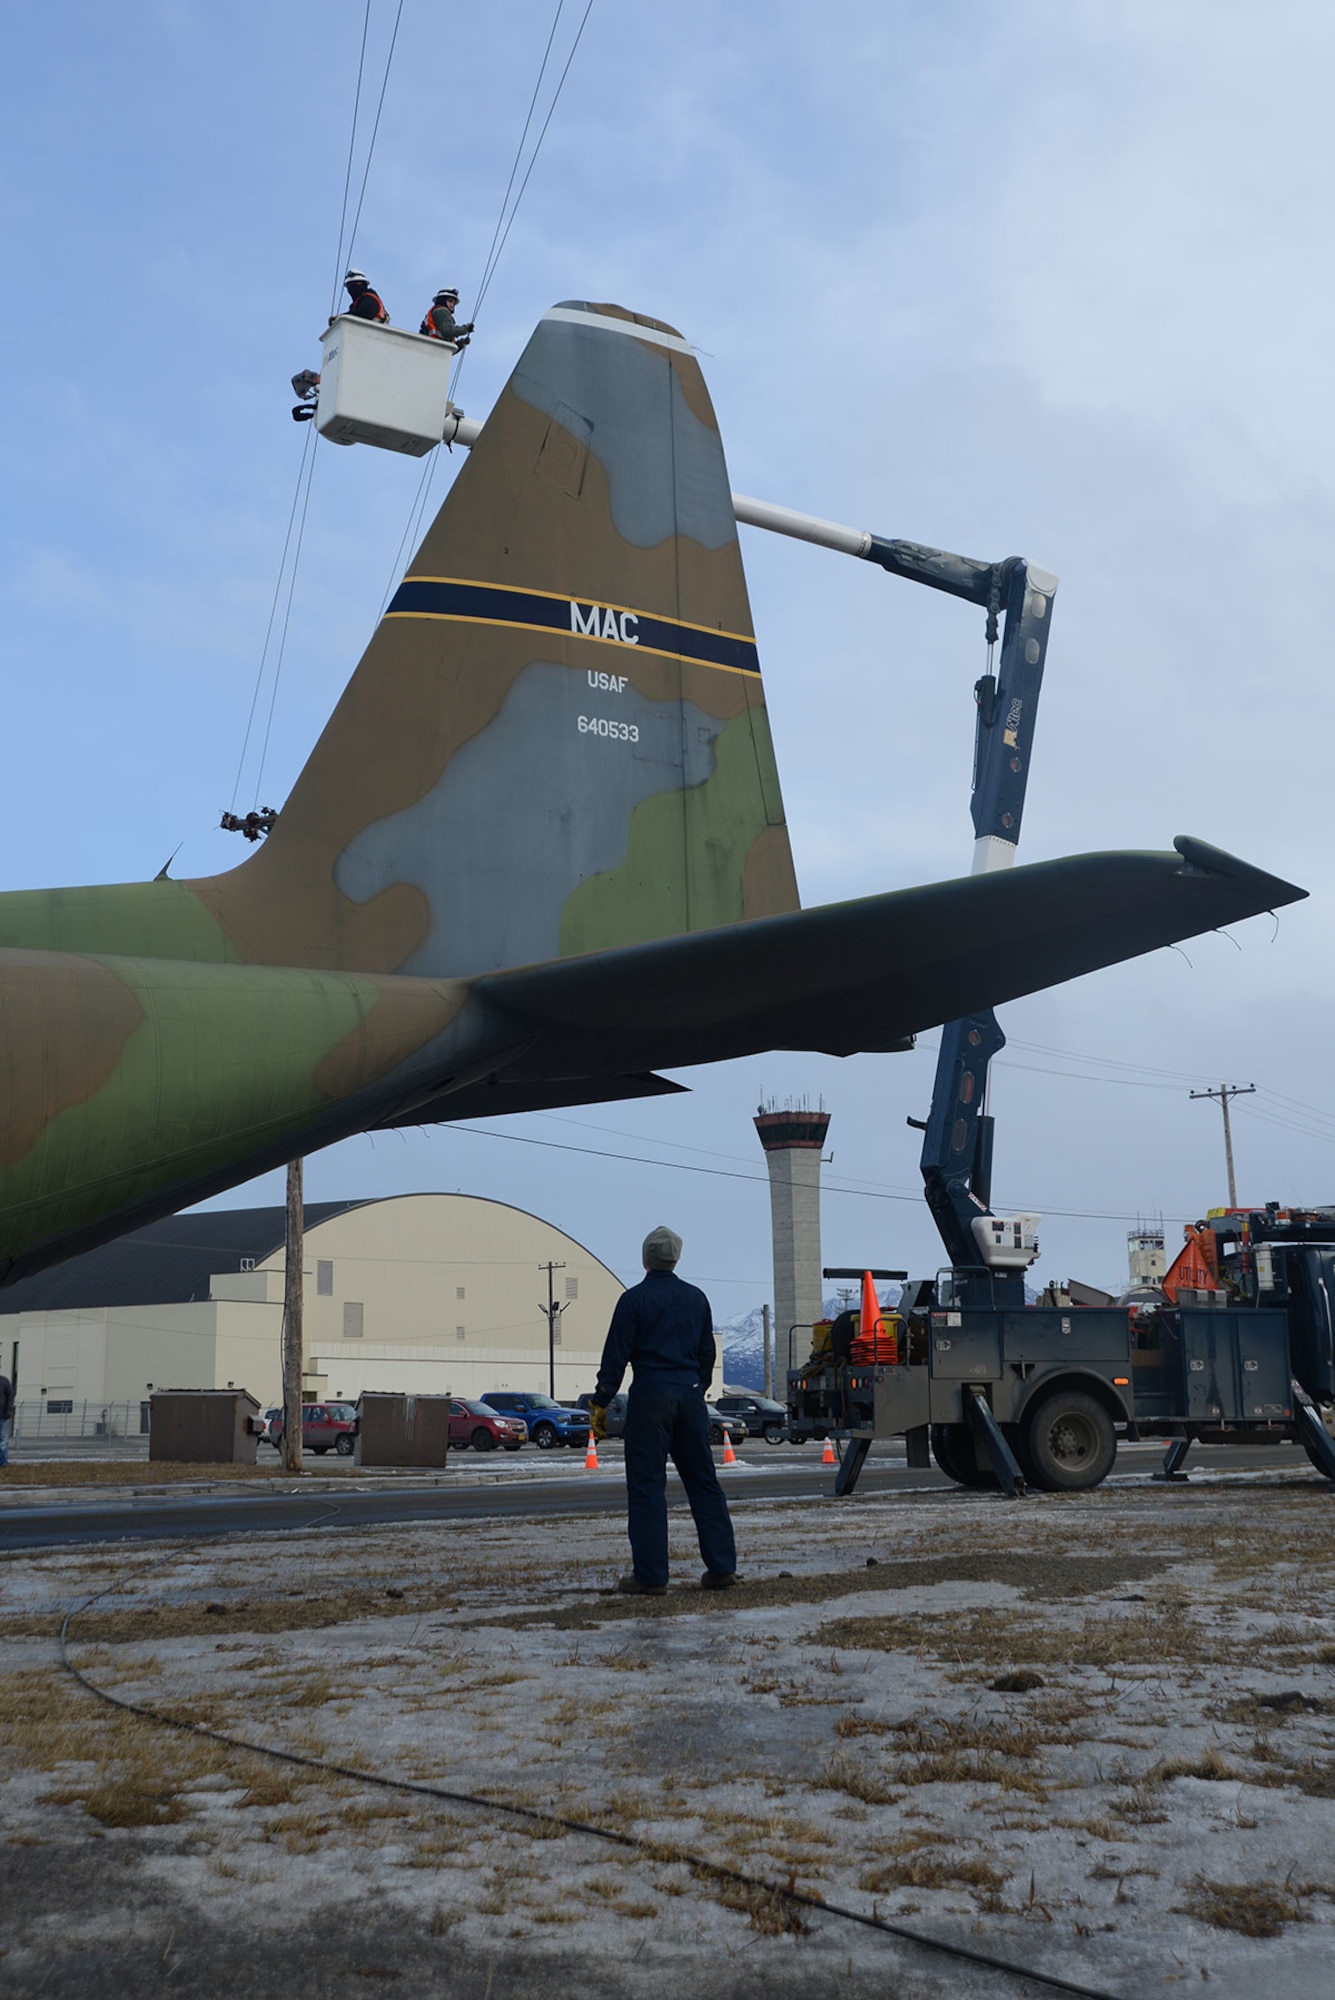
(424, 1292)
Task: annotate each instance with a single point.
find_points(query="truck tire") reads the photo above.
(775, 1433)
(1069, 1443)
(1311, 1453)
(544, 1436)
(952, 1448)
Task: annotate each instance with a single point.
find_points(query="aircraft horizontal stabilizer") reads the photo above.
(866, 975)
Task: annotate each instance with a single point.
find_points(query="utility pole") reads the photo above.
(292, 1330)
(1224, 1092)
(551, 1312)
(768, 1338)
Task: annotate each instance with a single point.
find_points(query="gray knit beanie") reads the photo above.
(662, 1248)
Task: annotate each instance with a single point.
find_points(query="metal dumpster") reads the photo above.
(203, 1426)
(402, 1430)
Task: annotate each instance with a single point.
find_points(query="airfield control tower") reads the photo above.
(793, 1135)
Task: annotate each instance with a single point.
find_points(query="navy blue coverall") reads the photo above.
(663, 1331)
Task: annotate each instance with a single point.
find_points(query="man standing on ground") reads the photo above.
(6, 1412)
(663, 1331)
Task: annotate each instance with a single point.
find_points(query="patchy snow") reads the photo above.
(1089, 1734)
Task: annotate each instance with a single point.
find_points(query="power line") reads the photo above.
(533, 161)
(273, 611)
(417, 509)
(519, 149)
(347, 175)
(370, 151)
(287, 614)
(865, 1192)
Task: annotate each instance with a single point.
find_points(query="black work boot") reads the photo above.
(630, 1586)
(715, 1579)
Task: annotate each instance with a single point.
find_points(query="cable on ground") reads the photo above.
(666, 1853)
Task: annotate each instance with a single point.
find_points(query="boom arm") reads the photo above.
(957, 1148)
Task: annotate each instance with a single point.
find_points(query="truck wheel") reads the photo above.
(1069, 1443)
(775, 1433)
(343, 1446)
(1311, 1453)
(952, 1448)
(544, 1436)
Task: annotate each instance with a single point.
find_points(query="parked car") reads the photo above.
(324, 1427)
(761, 1415)
(477, 1424)
(549, 1422)
(719, 1425)
(718, 1422)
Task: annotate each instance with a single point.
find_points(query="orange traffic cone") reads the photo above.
(870, 1317)
(591, 1455)
(729, 1455)
(829, 1458)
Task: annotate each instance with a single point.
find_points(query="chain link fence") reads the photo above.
(111, 1428)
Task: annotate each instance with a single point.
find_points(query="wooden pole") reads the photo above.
(292, 1329)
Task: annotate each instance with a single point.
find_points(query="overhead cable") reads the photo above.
(375, 128)
(287, 614)
(417, 508)
(347, 173)
(307, 444)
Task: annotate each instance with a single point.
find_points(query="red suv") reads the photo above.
(324, 1427)
(482, 1427)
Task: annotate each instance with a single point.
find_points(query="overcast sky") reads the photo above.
(1051, 279)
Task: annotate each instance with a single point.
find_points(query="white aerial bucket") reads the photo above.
(382, 386)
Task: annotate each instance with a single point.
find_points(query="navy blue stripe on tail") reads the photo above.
(419, 597)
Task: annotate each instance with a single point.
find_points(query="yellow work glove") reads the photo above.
(598, 1420)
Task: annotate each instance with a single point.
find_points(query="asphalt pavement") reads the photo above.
(165, 1513)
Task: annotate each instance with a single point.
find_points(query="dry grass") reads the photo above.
(764, 1909)
(1255, 1909)
(844, 1773)
(1040, 1576)
(1209, 1765)
(930, 1868)
(137, 1622)
(124, 1802)
(1146, 1638)
(128, 1472)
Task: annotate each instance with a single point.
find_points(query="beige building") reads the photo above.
(423, 1293)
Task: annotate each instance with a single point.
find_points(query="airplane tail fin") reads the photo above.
(556, 740)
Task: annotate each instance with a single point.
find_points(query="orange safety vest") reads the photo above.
(430, 328)
(382, 317)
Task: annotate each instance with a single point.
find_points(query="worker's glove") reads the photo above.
(598, 1420)
(467, 326)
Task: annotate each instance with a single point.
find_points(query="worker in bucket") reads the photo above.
(663, 1331)
(366, 304)
(440, 323)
